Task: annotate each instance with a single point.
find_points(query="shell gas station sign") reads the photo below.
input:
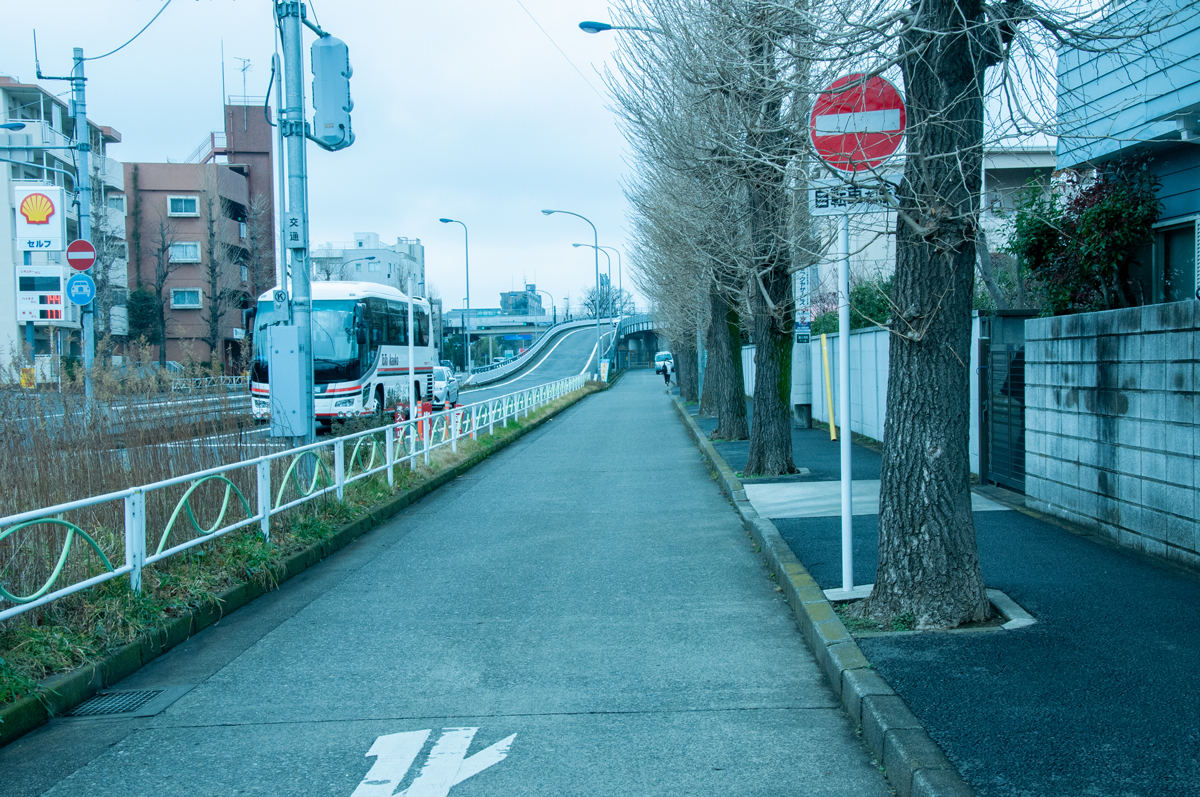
(41, 214)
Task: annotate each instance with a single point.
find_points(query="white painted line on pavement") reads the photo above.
(533, 368)
(446, 766)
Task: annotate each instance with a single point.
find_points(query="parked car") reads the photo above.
(663, 361)
(445, 387)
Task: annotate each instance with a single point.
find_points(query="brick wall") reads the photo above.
(1111, 430)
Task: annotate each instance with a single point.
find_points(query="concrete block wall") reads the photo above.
(1112, 435)
(869, 359)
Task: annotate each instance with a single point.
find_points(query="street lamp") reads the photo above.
(352, 262)
(553, 306)
(609, 259)
(596, 257)
(467, 265)
(12, 126)
(620, 278)
(589, 26)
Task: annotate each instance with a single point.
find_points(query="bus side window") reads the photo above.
(398, 323)
(422, 320)
(376, 321)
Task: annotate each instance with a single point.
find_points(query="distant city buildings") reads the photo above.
(367, 259)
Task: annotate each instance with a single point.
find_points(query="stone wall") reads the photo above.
(1111, 432)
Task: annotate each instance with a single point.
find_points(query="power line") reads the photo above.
(139, 33)
(561, 51)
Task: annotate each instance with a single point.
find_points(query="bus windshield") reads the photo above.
(335, 349)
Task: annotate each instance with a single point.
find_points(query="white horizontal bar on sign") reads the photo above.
(837, 124)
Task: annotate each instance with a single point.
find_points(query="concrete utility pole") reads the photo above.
(84, 142)
(295, 220)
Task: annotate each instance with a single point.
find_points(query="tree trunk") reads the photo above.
(928, 560)
(684, 357)
(771, 423)
(723, 378)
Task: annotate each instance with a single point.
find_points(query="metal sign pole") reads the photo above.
(844, 402)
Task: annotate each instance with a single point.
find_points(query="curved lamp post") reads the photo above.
(467, 311)
(553, 307)
(589, 26)
(596, 257)
(609, 259)
(351, 262)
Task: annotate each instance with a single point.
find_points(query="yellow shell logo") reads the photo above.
(37, 209)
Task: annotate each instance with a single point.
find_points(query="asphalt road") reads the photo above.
(580, 614)
(567, 356)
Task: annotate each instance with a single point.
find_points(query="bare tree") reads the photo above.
(164, 237)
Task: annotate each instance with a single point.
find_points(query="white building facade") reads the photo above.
(368, 259)
(37, 156)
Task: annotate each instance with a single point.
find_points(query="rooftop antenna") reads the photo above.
(245, 69)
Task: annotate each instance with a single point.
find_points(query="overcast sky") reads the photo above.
(462, 108)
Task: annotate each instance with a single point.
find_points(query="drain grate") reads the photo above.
(132, 703)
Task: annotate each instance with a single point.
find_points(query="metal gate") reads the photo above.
(1003, 395)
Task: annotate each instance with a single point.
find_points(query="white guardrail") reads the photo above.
(274, 483)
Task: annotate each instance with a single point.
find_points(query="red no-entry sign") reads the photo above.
(81, 255)
(857, 123)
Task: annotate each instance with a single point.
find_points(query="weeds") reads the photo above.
(80, 628)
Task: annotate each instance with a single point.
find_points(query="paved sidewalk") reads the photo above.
(584, 610)
(1098, 697)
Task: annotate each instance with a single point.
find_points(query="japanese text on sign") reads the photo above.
(836, 198)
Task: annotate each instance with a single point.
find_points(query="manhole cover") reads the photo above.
(133, 703)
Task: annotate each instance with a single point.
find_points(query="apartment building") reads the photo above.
(201, 239)
(37, 153)
(368, 259)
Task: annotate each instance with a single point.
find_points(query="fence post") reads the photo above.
(263, 469)
(492, 417)
(427, 436)
(135, 537)
(474, 422)
(389, 453)
(339, 467)
(408, 434)
(456, 415)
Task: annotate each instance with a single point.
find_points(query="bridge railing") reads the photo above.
(117, 534)
(497, 371)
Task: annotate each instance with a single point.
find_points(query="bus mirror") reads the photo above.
(360, 324)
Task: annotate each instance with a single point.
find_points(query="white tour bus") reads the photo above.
(360, 346)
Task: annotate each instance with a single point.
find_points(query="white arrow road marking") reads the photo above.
(394, 754)
(838, 124)
(446, 767)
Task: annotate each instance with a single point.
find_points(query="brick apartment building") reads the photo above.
(201, 241)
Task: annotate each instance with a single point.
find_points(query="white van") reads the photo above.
(663, 362)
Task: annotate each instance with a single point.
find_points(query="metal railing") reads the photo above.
(245, 494)
(240, 382)
(491, 373)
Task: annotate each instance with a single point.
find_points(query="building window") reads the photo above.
(245, 274)
(1175, 249)
(117, 202)
(183, 206)
(185, 252)
(185, 299)
(374, 265)
(242, 230)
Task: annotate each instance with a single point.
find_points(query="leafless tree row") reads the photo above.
(714, 96)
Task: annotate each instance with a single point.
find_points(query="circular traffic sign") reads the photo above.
(857, 123)
(81, 289)
(81, 254)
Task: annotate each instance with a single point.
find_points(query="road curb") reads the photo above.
(60, 693)
(912, 762)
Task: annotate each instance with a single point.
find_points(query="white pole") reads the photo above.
(844, 402)
(412, 334)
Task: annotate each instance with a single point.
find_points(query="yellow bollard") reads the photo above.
(828, 388)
